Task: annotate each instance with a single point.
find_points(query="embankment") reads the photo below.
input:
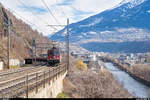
(127, 70)
(52, 90)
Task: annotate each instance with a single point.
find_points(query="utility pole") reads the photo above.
(68, 51)
(33, 45)
(32, 50)
(67, 41)
(8, 49)
(35, 54)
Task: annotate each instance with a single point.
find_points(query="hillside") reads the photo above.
(127, 22)
(114, 47)
(92, 84)
(21, 37)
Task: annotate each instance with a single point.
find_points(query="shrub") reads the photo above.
(14, 67)
(26, 65)
(62, 95)
(81, 66)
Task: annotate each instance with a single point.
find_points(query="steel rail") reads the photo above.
(19, 86)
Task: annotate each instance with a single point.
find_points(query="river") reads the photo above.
(134, 87)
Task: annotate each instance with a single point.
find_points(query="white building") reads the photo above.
(1, 65)
(14, 62)
(92, 57)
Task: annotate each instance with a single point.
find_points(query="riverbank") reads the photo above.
(142, 71)
(132, 72)
(137, 89)
(90, 84)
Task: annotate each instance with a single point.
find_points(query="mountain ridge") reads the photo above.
(106, 24)
(128, 22)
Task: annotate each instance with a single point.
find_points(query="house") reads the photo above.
(122, 57)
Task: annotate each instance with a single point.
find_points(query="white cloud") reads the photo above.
(95, 5)
(76, 10)
(148, 11)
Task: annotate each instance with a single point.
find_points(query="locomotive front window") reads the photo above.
(50, 53)
(57, 53)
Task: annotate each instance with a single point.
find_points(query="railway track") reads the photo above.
(17, 70)
(22, 73)
(7, 73)
(12, 87)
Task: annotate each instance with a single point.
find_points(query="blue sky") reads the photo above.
(66, 2)
(35, 12)
(34, 9)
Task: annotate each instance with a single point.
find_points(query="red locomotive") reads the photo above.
(54, 56)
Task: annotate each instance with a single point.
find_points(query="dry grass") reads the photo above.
(142, 71)
(88, 84)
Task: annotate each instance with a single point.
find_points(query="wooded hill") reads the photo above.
(21, 37)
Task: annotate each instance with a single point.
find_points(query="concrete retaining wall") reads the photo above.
(52, 90)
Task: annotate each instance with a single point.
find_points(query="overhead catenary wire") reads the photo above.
(24, 19)
(39, 19)
(36, 15)
(61, 9)
(4, 1)
(32, 24)
(50, 12)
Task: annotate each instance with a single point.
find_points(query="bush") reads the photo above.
(62, 95)
(14, 67)
(95, 85)
(81, 66)
(26, 65)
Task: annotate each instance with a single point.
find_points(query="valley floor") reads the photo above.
(90, 84)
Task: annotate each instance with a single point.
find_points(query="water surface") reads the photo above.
(134, 87)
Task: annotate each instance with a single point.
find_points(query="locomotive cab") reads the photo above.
(54, 56)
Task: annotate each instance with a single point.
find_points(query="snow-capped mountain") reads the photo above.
(128, 21)
(132, 3)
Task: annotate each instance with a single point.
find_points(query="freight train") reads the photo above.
(53, 57)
